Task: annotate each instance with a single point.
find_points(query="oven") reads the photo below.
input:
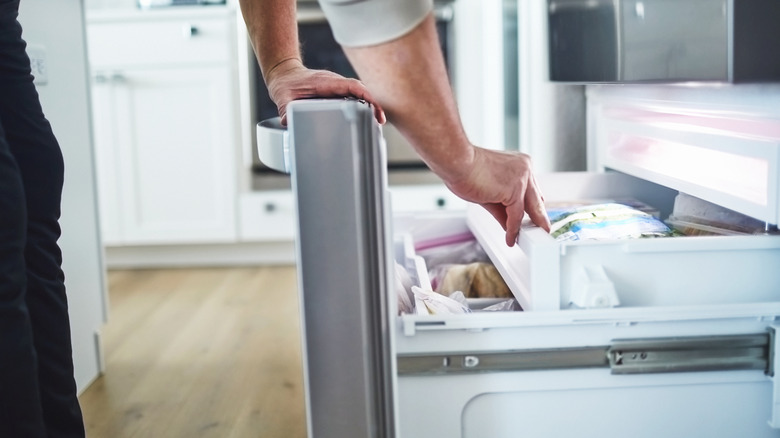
(321, 51)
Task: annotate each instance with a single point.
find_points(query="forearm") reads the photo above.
(409, 79)
(273, 31)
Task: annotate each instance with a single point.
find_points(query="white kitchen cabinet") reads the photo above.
(267, 216)
(165, 126)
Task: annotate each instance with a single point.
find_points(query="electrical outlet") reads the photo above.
(38, 63)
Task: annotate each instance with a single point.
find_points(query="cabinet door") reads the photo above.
(106, 168)
(174, 137)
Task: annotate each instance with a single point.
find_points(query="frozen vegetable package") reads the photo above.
(603, 221)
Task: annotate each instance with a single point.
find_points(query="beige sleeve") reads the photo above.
(358, 23)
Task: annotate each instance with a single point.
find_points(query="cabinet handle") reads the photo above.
(118, 78)
(270, 207)
(189, 31)
(441, 202)
(100, 78)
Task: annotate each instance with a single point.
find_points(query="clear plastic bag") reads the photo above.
(503, 306)
(403, 290)
(604, 221)
(474, 280)
(463, 252)
(438, 304)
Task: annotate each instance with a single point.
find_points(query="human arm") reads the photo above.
(408, 77)
(273, 32)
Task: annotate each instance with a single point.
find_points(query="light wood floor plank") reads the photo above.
(200, 353)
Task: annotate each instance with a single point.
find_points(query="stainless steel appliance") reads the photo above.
(145, 4)
(663, 40)
(321, 51)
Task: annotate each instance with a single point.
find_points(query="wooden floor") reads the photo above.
(200, 353)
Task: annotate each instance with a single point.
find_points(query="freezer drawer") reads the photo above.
(647, 370)
(545, 274)
(651, 367)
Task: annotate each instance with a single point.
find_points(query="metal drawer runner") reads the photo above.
(623, 356)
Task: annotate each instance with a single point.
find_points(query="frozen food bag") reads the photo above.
(604, 221)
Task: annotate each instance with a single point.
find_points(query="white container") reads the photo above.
(545, 274)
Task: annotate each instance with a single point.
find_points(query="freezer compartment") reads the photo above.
(545, 274)
(659, 364)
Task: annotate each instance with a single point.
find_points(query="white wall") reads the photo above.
(552, 115)
(57, 26)
(478, 70)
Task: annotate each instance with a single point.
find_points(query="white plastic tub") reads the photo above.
(545, 274)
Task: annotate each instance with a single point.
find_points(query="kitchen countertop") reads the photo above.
(97, 15)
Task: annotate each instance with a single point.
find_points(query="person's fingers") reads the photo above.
(320, 83)
(498, 211)
(283, 114)
(355, 88)
(534, 206)
(379, 113)
(514, 217)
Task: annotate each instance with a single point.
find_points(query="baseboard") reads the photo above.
(238, 254)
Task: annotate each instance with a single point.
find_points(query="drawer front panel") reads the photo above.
(185, 40)
(488, 402)
(268, 216)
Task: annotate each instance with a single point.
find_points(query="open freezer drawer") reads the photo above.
(545, 274)
(672, 369)
(652, 369)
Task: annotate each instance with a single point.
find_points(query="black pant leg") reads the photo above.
(20, 406)
(40, 162)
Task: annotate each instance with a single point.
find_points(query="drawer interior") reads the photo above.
(439, 253)
(545, 274)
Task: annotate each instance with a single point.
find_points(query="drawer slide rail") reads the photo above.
(623, 356)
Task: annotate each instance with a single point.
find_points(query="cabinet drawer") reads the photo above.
(267, 216)
(424, 198)
(159, 42)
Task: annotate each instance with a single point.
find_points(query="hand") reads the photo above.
(502, 182)
(290, 80)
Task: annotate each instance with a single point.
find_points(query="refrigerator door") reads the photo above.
(338, 174)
